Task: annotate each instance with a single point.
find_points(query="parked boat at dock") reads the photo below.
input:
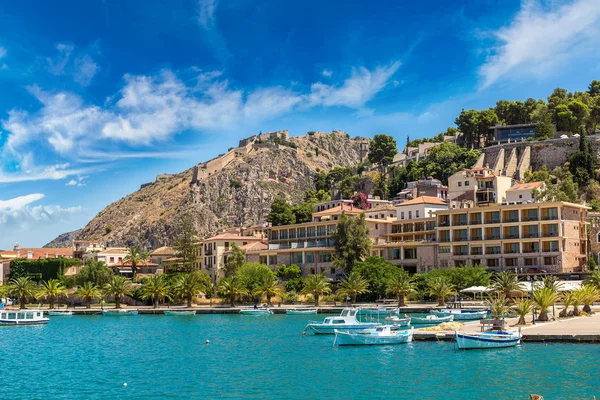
(431, 319)
(460, 313)
(397, 321)
(381, 335)
(119, 313)
(181, 313)
(10, 316)
(345, 322)
(487, 340)
(301, 312)
(60, 313)
(256, 311)
(379, 311)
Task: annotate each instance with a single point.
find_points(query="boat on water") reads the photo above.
(460, 313)
(119, 313)
(487, 340)
(379, 311)
(397, 321)
(345, 322)
(181, 313)
(431, 319)
(381, 335)
(301, 312)
(9, 316)
(60, 313)
(256, 311)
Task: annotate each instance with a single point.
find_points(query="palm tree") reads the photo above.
(51, 289)
(594, 279)
(506, 282)
(577, 300)
(230, 287)
(187, 286)
(134, 256)
(498, 306)
(118, 287)
(156, 288)
(353, 285)
(268, 287)
(523, 307)
(316, 285)
(567, 298)
(440, 287)
(589, 295)
(544, 297)
(89, 291)
(22, 288)
(551, 282)
(400, 285)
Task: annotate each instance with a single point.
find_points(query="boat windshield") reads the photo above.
(348, 313)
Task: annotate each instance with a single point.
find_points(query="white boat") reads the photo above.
(487, 340)
(60, 313)
(397, 321)
(119, 313)
(379, 311)
(381, 335)
(431, 319)
(181, 313)
(301, 312)
(461, 314)
(256, 311)
(10, 316)
(345, 322)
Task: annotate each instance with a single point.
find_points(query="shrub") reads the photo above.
(309, 298)
(108, 229)
(308, 154)
(290, 297)
(234, 183)
(311, 133)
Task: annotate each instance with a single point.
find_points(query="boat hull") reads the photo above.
(301, 312)
(462, 316)
(256, 312)
(431, 321)
(485, 341)
(401, 322)
(17, 323)
(329, 329)
(60, 313)
(359, 339)
(119, 313)
(180, 313)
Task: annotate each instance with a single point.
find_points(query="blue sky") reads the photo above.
(98, 97)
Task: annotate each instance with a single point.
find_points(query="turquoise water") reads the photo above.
(268, 358)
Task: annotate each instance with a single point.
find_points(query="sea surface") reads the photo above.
(267, 357)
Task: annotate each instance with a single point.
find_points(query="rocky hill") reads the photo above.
(64, 240)
(237, 193)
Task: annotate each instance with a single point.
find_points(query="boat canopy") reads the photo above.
(477, 289)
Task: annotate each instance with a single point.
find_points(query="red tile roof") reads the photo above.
(45, 252)
(526, 186)
(348, 208)
(423, 200)
(231, 236)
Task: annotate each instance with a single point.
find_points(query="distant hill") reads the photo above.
(64, 240)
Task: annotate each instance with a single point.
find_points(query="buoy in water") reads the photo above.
(207, 341)
(125, 384)
(304, 332)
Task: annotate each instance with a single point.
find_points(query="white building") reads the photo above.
(523, 192)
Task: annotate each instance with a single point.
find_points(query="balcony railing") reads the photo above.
(476, 237)
(476, 253)
(444, 240)
(512, 220)
(549, 218)
(511, 236)
(462, 239)
(493, 237)
(510, 251)
(444, 223)
(493, 252)
(531, 251)
(530, 235)
(530, 219)
(492, 221)
(476, 222)
(550, 234)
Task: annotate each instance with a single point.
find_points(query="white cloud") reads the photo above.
(81, 67)
(327, 73)
(17, 213)
(2, 52)
(85, 70)
(79, 182)
(427, 116)
(57, 64)
(206, 15)
(357, 90)
(539, 40)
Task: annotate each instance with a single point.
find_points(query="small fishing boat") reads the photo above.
(381, 335)
(461, 315)
(10, 316)
(60, 313)
(181, 313)
(431, 319)
(397, 321)
(379, 311)
(301, 312)
(256, 311)
(119, 313)
(487, 340)
(345, 322)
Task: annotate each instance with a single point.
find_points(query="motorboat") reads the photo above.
(431, 319)
(60, 313)
(487, 340)
(345, 322)
(381, 335)
(460, 313)
(397, 321)
(180, 313)
(301, 312)
(256, 311)
(119, 313)
(10, 316)
(379, 311)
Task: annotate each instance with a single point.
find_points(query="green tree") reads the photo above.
(353, 285)
(487, 119)
(444, 160)
(22, 288)
(378, 273)
(96, 272)
(156, 288)
(230, 288)
(441, 288)
(401, 285)
(382, 151)
(252, 274)
(134, 256)
(544, 297)
(189, 285)
(582, 163)
(593, 279)
(235, 260)
(317, 286)
(185, 242)
(506, 282)
(352, 242)
(589, 294)
(118, 287)
(88, 291)
(51, 289)
(523, 306)
(463, 277)
(268, 287)
(594, 88)
(281, 212)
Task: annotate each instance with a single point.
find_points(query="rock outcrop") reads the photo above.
(64, 240)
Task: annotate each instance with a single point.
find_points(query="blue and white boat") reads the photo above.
(10, 316)
(431, 319)
(179, 313)
(297, 311)
(461, 314)
(487, 340)
(256, 311)
(60, 313)
(381, 335)
(397, 321)
(119, 313)
(345, 322)
(379, 311)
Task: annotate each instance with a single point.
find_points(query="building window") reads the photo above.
(309, 257)
(410, 215)
(226, 246)
(417, 214)
(466, 183)
(376, 226)
(297, 258)
(112, 260)
(395, 254)
(324, 257)
(598, 237)
(262, 259)
(459, 184)
(272, 260)
(402, 215)
(444, 249)
(520, 196)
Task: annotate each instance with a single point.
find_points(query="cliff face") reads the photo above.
(239, 194)
(64, 240)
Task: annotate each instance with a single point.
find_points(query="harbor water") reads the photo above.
(267, 357)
